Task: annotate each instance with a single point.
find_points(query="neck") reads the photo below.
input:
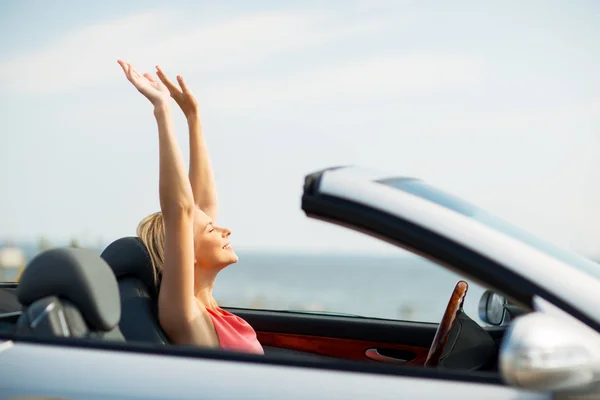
(204, 280)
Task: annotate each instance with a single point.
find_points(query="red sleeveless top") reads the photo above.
(234, 333)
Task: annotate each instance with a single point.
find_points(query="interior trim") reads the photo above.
(10, 315)
(348, 349)
(342, 327)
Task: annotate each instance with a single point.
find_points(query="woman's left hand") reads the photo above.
(152, 89)
(181, 94)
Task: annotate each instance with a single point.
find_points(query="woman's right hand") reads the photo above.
(181, 94)
(153, 89)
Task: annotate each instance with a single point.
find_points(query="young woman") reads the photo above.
(187, 247)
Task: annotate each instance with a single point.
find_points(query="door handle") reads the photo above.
(374, 354)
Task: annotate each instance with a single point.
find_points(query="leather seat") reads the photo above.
(130, 262)
(68, 292)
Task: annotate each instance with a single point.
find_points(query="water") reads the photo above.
(406, 288)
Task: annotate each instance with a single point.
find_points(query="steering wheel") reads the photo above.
(443, 331)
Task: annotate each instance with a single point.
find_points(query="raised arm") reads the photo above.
(200, 172)
(176, 308)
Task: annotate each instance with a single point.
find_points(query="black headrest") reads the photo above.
(128, 256)
(78, 275)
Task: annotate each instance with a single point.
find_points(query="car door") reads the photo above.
(111, 373)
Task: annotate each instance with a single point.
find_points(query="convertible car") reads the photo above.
(82, 325)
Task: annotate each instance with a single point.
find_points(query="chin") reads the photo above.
(230, 258)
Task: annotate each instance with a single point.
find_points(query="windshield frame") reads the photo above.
(424, 191)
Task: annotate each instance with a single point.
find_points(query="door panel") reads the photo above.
(350, 349)
(350, 338)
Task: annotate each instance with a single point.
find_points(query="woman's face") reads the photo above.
(211, 243)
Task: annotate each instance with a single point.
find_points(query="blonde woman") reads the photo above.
(187, 247)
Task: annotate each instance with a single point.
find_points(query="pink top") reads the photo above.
(234, 333)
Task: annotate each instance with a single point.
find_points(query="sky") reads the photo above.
(497, 103)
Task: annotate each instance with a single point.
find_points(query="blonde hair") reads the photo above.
(151, 230)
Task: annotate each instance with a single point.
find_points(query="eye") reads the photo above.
(211, 230)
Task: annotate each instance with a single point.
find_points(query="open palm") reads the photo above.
(153, 89)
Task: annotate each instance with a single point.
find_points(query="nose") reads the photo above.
(225, 232)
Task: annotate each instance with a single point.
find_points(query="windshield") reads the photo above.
(421, 189)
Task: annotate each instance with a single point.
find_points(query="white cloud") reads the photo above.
(579, 119)
(395, 76)
(370, 81)
(87, 57)
(80, 58)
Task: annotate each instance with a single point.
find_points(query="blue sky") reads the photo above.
(499, 104)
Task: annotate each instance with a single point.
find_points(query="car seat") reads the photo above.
(130, 261)
(69, 292)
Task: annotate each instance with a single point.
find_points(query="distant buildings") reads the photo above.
(14, 256)
(12, 261)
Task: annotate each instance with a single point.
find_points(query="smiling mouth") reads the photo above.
(227, 247)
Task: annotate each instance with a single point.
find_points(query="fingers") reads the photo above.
(149, 77)
(123, 64)
(183, 85)
(130, 72)
(168, 83)
(126, 67)
(134, 73)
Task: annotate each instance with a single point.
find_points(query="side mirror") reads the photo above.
(543, 352)
(492, 308)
